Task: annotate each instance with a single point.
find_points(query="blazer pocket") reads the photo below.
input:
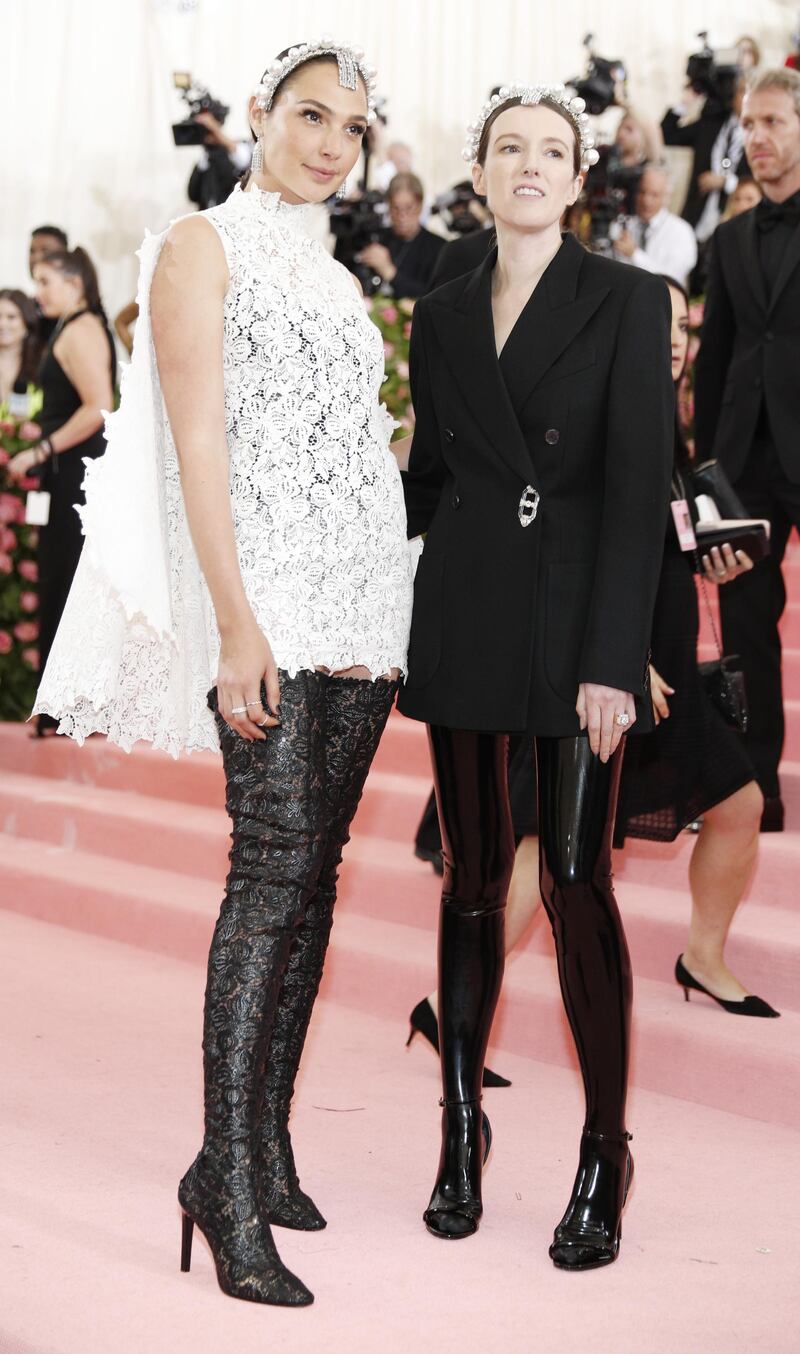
(425, 644)
(569, 591)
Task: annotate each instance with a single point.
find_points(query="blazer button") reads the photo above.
(551, 436)
(455, 501)
(449, 434)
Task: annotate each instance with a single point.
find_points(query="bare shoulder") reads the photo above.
(87, 331)
(191, 250)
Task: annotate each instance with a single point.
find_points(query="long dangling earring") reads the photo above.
(341, 191)
(257, 162)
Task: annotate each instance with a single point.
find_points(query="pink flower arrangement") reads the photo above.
(12, 509)
(5, 564)
(31, 657)
(26, 631)
(28, 569)
(388, 349)
(696, 311)
(8, 539)
(389, 314)
(6, 642)
(28, 601)
(407, 330)
(4, 456)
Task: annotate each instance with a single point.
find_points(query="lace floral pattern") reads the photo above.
(315, 491)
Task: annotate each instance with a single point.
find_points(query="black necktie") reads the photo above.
(772, 214)
(645, 231)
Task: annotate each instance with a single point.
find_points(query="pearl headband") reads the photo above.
(350, 61)
(532, 94)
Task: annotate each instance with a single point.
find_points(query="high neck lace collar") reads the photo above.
(272, 206)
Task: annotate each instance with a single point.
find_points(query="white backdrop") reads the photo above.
(86, 94)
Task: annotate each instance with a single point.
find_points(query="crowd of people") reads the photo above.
(271, 607)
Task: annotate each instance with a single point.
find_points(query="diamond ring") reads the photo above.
(623, 720)
(239, 710)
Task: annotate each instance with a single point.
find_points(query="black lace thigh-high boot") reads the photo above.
(471, 775)
(356, 712)
(577, 805)
(275, 798)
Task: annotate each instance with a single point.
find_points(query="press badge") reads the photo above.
(683, 524)
(37, 508)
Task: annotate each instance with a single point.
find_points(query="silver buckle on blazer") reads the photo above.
(528, 505)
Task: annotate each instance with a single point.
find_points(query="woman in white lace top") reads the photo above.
(247, 583)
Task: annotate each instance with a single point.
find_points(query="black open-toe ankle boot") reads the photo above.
(589, 1234)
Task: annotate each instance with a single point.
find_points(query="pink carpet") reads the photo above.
(110, 870)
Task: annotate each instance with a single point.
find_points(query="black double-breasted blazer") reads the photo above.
(749, 351)
(579, 410)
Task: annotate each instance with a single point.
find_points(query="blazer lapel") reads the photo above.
(466, 333)
(553, 317)
(748, 243)
(788, 264)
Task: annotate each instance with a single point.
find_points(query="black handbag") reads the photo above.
(722, 677)
(737, 528)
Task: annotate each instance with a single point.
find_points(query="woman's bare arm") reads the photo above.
(84, 354)
(186, 304)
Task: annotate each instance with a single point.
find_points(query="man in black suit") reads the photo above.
(715, 141)
(748, 397)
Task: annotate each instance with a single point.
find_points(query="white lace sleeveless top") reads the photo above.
(315, 492)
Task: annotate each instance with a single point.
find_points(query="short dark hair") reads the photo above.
(56, 232)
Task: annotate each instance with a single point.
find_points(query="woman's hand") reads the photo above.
(658, 694)
(245, 661)
(724, 567)
(598, 708)
(21, 465)
(29, 431)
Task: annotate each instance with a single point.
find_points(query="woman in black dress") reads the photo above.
(540, 472)
(77, 376)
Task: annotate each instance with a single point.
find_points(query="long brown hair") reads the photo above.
(32, 344)
(77, 263)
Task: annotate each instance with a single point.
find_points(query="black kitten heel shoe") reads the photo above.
(423, 1021)
(751, 1006)
(590, 1232)
(456, 1206)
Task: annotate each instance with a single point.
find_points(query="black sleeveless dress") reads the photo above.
(61, 541)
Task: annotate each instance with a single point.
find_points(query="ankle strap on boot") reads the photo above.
(476, 1100)
(607, 1137)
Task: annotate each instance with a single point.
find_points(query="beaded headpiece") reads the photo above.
(573, 106)
(350, 61)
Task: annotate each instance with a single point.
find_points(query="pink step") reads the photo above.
(693, 1051)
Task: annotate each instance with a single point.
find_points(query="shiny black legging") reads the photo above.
(577, 802)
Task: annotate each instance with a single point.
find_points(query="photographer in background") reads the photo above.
(222, 162)
(655, 238)
(406, 255)
(715, 137)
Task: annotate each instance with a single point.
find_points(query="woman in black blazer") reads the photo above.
(540, 477)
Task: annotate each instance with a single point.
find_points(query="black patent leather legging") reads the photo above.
(577, 796)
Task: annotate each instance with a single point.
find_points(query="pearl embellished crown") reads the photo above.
(350, 61)
(574, 107)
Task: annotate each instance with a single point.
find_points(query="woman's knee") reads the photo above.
(740, 813)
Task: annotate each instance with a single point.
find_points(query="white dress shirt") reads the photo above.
(665, 244)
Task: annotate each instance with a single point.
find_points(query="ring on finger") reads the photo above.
(623, 719)
(262, 722)
(239, 710)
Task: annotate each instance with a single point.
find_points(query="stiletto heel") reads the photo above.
(187, 1230)
(750, 1006)
(423, 1021)
(456, 1207)
(590, 1232)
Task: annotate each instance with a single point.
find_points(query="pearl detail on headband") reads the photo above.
(574, 107)
(350, 61)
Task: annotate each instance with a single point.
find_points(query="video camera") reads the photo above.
(714, 74)
(355, 224)
(189, 132)
(602, 76)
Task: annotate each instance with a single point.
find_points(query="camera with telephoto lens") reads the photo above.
(597, 87)
(714, 74)
(189, 132)
(355, 224)
(455, 208)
